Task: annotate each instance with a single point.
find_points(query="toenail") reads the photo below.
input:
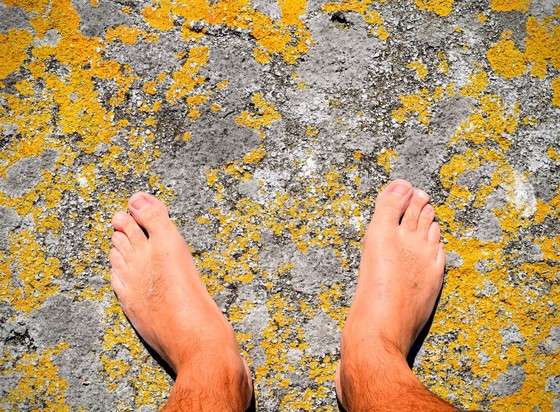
(401, 189)
(423, 194)
(117, 218)
(140, 203)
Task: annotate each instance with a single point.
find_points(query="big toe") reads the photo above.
(392, 202)
(149, 212)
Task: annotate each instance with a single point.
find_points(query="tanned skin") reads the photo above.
(401, 272)
(162, 294)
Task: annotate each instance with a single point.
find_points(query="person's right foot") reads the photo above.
(401, 274)
(163, 296)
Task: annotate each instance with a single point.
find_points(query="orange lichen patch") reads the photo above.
(482, 18)
(490, 121)
(37, 6)
(37, 375)
(193, 102)
(125, 34)
(322, 370)
(186, 136)
(328, 300)
(510, 5)
(287, 36)
(488, 285)
(385, 157)
(440, 7)
(292, 11)
(542, 44)
(255, 156)
(237, 313)
(478, 82)
(222, 85)
(556, 92)
(238, 170)
(443, 66)
(25, 87)
(187, 78)
(159, 16)
(264, 116)
(420, 68)
(419, 103)
(550, 247)
(35, 282)
(188, 33)
(362, 7)
(150, 87)
(505, 59)
(281, 333)
(375, 18)
(12, 48)
(553, 154)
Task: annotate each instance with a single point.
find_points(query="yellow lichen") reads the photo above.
(440, 7)
(187, 78)
(255, 156)
(510, 5)
(264, 116)
(505, 59)
(421, 70)
(419, 103)
(385, 157)
(478, 83)
(37, 374)
(556, 92)
(12, 48)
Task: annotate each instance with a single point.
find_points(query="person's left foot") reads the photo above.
(161, 293)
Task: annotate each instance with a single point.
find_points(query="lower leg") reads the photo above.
(161, 293)
(401, 275)
(219, 383)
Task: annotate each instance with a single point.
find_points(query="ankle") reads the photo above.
(372, 374)
(382, 381)
(220, 379)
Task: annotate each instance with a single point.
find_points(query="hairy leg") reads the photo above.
(161, 293)
(401, 274)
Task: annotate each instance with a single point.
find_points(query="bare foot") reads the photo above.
(401, 274)
(163, 296)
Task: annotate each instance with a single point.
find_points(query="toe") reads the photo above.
(412, 213)
(126, 224)
(426, 218)
(150, 213)
(117, 282)
(122, 244)
(433, 234)
(440, 259)
(117, 260)
(392, 202)
(118, 269)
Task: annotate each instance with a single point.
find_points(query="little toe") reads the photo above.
(392, 202)
(126, 224)
(412, 213)
(117, 282)
(150, 213)
(440, 258)
(122, 244)
(426, 218)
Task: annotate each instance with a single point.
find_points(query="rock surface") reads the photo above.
(269, 128)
